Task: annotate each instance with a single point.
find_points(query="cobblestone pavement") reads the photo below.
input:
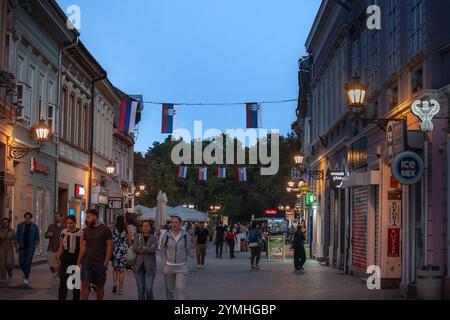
(225, 279)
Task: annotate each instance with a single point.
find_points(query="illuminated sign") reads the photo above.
(337, 178)
(426, 110)
(39, 167)
(408, 168)
(270, 212)
(80, 191)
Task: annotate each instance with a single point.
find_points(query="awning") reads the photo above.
(361, 179)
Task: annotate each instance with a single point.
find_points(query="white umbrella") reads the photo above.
(164, 212)
(160, 208)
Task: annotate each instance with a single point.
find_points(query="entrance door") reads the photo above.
(416, 222)
(359, 228)
(63, 198)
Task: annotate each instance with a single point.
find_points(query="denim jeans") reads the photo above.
(144, 282)
(25, 261)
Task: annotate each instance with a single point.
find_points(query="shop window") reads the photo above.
(393, 97)
(51, 118)
(417, 81)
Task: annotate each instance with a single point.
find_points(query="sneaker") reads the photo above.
(119, 292)
(199, 267)
(114, 290)
(25, 282)
(257, 268)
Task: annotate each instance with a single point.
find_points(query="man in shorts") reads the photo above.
(53, 235)
(95, 253)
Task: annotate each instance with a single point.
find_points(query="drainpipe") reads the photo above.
(58, 101)
(91, 151)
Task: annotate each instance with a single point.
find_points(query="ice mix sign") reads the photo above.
(408, 168)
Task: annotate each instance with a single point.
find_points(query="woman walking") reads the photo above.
(121, 241)
(145, 245)
(255, 244)
(231, 240)
(67, 256)
(175, 251)
(7, 246)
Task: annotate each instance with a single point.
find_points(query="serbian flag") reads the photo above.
(202, 174)
(127, 119)
(182, 172)
(168, 112)
(254, 116)
(242, 174)
(222, 173)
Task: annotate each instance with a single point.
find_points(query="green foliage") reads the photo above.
(237, 200)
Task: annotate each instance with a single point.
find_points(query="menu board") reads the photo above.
(277, 248)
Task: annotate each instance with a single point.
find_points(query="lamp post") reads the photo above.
(357, 102)
(41, 135)
(110, 168)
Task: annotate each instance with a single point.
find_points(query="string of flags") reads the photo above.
(127, 118)
(253, 112)
(221, 173)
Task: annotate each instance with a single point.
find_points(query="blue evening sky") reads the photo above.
(200, 51)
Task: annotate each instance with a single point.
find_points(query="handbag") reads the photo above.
(131, 256)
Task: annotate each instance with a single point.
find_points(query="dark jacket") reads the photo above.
(34, 235)
(145, 256)
(299, 240)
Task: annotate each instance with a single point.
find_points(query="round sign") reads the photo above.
(407, 168)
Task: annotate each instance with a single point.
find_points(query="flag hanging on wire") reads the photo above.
(222, 173)
(254, 116)
(127, 119)
(242, 174)
(182, 172)
(202, 174)
(168, 113)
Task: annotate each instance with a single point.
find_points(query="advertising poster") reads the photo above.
(277, 248)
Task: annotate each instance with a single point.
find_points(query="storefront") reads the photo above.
(34, 191)
(72, 191)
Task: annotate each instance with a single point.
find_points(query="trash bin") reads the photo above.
(429, 285)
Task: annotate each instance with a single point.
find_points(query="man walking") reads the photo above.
(175, 250)
(95, 252)
(299, 249)
(27, 237)
(201, 242)
(220, 237)
(53, 235)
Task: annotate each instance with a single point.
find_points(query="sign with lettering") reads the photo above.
(115, 203)
(394, 243)
(394, 209)
(336, 178)
(270, 212)
(407, 168)
(39, 167)
(80, 191)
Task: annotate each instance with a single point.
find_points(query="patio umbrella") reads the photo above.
(160, 209)
(164, 212)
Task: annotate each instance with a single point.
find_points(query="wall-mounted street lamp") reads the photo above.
(299, 158)
(142, 187)
(41, 134)
(110, 168)
(357, 94)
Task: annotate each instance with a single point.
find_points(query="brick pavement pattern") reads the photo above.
(224, 279)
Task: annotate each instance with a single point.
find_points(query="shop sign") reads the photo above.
(394, 209)
(102, 199)
(276, 248)
(80, 191)
(270, 212)
(425, 111)
(396, 139)
(39, 167)
(337, 178)
(394, 243)
(304, 189)
(407, 168)
(115, 203)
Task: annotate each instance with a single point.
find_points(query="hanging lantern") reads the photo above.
(356, 93)
(110, 168)
(42, 131)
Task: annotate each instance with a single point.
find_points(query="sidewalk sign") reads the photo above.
(277, 248)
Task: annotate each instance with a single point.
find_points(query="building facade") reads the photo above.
(7, 104)
(47, 76)
(369, 218)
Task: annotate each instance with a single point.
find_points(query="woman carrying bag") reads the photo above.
(144, 265)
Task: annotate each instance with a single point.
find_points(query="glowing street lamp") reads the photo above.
(142, 187)
(110, 168)
(356, 93)
(299, 158)
(291, 184)
(42, 132)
